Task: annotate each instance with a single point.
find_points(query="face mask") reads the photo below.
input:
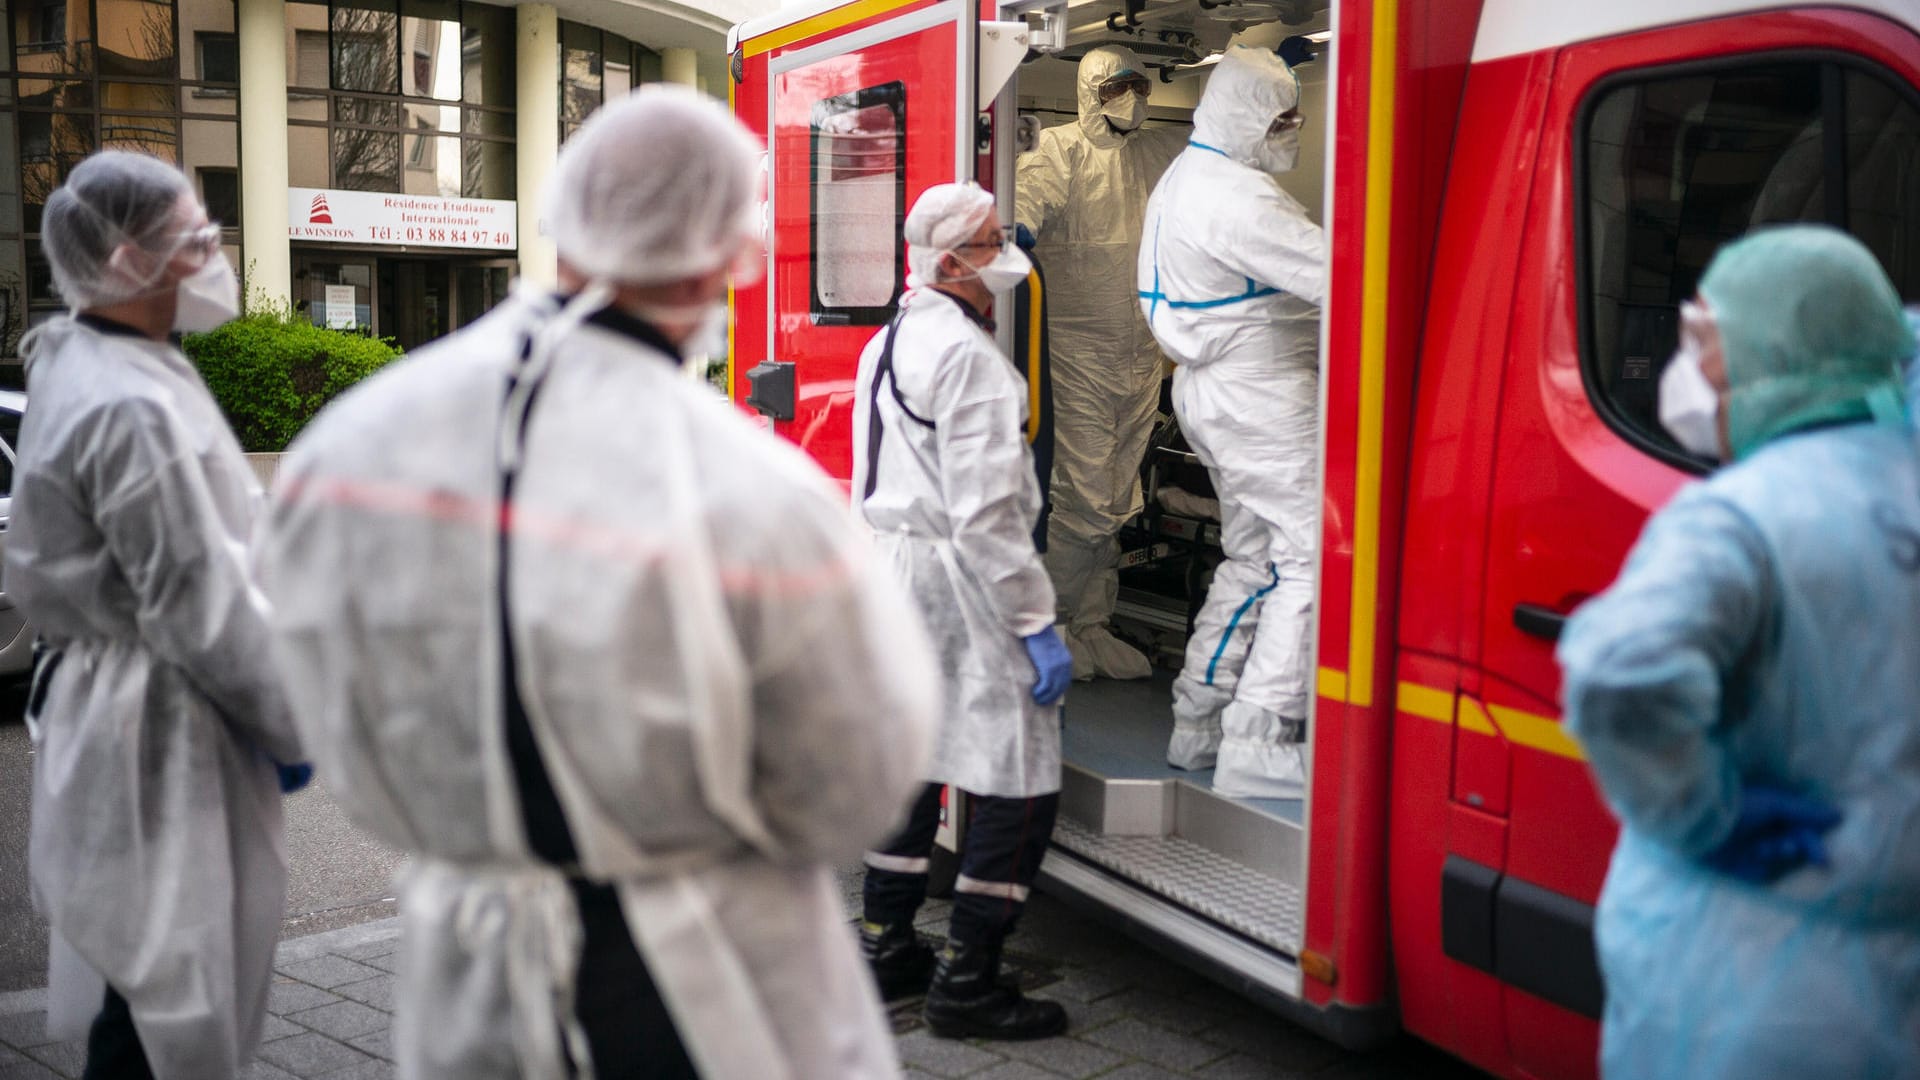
(1278, 153)
(1007, 270)
(709, 338)
(207, 298)
(1689, 405)
(1126, 112)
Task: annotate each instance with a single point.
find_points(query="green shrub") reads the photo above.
(272, 369)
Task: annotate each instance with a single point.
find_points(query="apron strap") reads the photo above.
(876, 428)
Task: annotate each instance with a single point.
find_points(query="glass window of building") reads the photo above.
(415, 97)
(155, 76)
(597, 67)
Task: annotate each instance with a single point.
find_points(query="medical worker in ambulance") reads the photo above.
(603, 657)
(1232, 274)
(943, 475)
(1081, 194)
(1745, 691)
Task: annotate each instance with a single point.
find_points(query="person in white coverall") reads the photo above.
(1232, 274)
(603, 657)
(1082, 193)
(162, 738)
(944, 477)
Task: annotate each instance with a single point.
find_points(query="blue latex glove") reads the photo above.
(1023, 237)
(293, 777)
(1296, 50)
(1052, 663)
(1777, 831)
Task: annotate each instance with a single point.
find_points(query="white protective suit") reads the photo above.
(952, 510)
(156, 849)
(1232, 273)
(1083, 192)
(728, 704)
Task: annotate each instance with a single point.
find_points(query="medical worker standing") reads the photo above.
(157, 717)
(943, 475)
(1232, 274)
(1082, 193)
(603, 657)
(1745, 691)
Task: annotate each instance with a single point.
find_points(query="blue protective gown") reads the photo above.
(1766, 629)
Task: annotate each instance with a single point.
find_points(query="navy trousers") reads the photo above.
(1000, 853)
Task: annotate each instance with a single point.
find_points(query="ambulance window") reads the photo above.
(859, 165)
(1676, 165)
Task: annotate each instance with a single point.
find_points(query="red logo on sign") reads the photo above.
(318, 214)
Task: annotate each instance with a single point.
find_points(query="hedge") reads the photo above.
(272, 369)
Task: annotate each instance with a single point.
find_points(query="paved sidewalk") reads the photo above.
(1135, 1016)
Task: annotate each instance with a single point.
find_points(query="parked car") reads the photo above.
(16, 639)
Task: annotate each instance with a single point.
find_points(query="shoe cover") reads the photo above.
(1259, 755)
(1112, 658)
(1082, 657)
(1196, 723)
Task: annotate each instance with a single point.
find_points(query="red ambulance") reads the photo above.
(1517, 193)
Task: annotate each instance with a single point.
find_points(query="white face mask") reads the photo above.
(1126, 112)
(1007, 270)
(709, 339)
(1689, 405)
(207, 298)
(1278, 153)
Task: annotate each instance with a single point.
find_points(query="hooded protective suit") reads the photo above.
(1761, 634)
(1083, 192)
(156, 850)
(727, 701)
(1232, 274)
(953, 502)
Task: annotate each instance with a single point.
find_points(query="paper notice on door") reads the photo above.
(339, 308)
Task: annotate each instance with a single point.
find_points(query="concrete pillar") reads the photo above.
(677, 66)
(263, 150)
(536, 124)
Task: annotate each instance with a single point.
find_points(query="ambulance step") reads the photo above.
(1264, 974)
(1255, 905)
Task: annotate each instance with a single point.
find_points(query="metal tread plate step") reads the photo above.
(1246, 901)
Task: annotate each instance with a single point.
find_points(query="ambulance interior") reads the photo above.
(1237, 864)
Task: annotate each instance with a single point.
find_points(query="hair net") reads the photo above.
(1248, 89)
(1811, 329)
(656, 187)
(113, 199)
(943, 217)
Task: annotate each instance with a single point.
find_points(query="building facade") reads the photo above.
(376, 164)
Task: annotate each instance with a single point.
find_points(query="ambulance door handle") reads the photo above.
(771, 389)
(1538, 620)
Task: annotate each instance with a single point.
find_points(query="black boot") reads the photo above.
(900, 961)
(969, 1000)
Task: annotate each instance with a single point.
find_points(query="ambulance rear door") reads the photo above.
(865, 106)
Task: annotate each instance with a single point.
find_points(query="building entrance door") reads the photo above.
(415, 305)
(412, 299)
(335, 291)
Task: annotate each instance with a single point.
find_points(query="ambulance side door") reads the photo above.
(1658, 148)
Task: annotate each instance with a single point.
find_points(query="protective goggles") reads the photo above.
(1001, 239)
(1125, 82)
(205, 239)
(1285, 122)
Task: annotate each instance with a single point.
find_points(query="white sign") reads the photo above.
(378, 217)
(339, 312)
